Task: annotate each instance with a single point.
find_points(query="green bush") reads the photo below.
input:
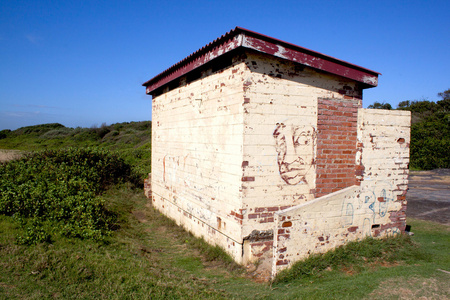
(430, 142)
(38, 129)
(430, 154)
(58, 192)
(4, 133)
(57, 133)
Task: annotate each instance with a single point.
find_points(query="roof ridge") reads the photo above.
(266, 44)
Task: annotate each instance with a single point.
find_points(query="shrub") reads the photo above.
(38, 129)
(58, 192)
(430, 142)
(57, 133)
(4, 133)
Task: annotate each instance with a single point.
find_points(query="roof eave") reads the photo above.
(195, 60)
(240, 37)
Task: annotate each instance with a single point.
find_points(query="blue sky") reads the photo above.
(82, 63)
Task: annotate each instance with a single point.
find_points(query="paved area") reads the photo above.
(429, 195)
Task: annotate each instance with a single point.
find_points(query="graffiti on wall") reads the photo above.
(174, 169)
(183, 175)
(295, 146)
(370, 209)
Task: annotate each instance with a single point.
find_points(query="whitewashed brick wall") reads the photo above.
(289, 96)
(197, 153)
(375, 208)
(220, 152)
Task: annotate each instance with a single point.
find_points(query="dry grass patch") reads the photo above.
(413, 288)
(7, 155)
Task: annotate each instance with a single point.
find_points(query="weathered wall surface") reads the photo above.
(383, 162)
(197, 155)
(280, 141)
(273, 161)
(374, 208)
(314, 227)
(280, 134)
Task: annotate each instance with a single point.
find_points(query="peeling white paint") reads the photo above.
(280, 52)
(372, 80)
(224, 163)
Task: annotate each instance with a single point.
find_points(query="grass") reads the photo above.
(356, 257)
(138, 262)
(150, 257)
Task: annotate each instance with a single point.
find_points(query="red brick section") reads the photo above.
(336, 144)
(256, 248)
(265, 214)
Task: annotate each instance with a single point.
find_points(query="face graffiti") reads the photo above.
(295, 149)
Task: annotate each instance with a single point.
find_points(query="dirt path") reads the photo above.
(429, 195)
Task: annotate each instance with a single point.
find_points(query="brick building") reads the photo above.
(263, 148)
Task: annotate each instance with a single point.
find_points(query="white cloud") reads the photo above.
(15, 114)
(15, 119)
(36, 106)
(18, 114)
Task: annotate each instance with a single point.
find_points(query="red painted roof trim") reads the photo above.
(240, 37)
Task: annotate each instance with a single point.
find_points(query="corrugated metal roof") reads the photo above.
(240, 37)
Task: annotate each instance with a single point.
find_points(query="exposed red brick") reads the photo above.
(352, 229)
(248, 178)
(266, 220)
(239, 216)
(336, 144)
(257, 244)
(283, 236)
(287, 224)
(282, 262)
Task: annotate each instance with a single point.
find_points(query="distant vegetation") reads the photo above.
(430, 131)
